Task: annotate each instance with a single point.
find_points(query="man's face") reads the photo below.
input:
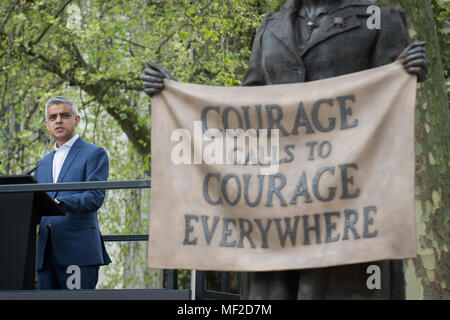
(61, 122)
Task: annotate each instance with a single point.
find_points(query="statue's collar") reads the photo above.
(340, 20)
(294, 5)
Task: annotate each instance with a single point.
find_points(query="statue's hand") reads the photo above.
(414, 60)
(153, 78)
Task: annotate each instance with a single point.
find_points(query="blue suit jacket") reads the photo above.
(76, 237)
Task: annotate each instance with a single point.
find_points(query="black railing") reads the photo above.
(76, 186)
(125, 237)
(200, 291)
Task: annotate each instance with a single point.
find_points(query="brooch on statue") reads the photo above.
(338, 22)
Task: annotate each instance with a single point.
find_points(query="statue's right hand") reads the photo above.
(153, 78)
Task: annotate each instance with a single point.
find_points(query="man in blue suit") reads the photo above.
(73, 240)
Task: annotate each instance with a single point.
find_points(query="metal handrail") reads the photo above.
(76, 186)
(125, 237)
(110, 185)
(80, 186)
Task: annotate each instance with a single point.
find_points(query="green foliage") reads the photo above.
(98, 49)
(441, 12)
(94, 52)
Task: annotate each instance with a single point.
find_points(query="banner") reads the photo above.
(284, 177)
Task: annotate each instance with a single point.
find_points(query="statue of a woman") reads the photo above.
(311, 40)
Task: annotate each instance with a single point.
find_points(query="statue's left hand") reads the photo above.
(414, 60)
(153, 78)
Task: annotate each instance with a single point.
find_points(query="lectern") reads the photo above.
(20, 212)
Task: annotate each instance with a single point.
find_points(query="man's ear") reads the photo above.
(77, 120)
(46, 124)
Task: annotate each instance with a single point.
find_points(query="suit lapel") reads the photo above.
(69, 159)
(339, 21)
(283, 29)
(47, 171)
(49, 168)
(336, 23)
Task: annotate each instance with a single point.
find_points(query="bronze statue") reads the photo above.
(311, 40)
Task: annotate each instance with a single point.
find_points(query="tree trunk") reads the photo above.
(428, 276)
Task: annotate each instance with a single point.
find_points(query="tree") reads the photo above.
(428, 276)
(94, 52)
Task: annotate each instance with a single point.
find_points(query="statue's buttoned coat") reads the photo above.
(342, 44)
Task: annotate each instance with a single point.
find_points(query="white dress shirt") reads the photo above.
(61, 155)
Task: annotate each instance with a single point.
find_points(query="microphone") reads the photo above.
(47, 142)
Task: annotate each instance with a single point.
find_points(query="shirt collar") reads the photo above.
(68, 144)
